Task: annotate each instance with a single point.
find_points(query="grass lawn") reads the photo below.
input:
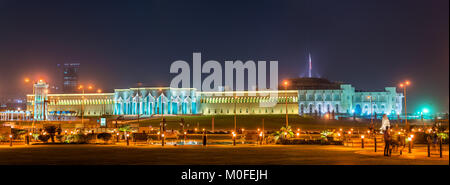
(251, 122)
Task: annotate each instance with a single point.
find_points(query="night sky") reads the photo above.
(370, 44)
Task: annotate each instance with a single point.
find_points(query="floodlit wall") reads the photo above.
(92, 104)
(176, 101)
(149, 101)
(248, 103)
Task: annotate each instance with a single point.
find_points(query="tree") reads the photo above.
(44, 138)
(104, 136)
(283, 133)
(125, 128)
(51, 130)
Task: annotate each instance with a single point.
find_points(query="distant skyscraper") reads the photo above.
(70, 77)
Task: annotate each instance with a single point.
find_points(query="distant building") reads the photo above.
(70, 77)
(12, 104)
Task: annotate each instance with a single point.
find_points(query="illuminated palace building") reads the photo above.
(314, 96)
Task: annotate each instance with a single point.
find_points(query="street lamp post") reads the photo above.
(421, 119)
(262, 133)
(204, 137)
(82, 105)
(362, 141)
(234, 139)
(375, 141)
(127, 137)
(10, 140)
(403, 85)
(409, 144)
(285, 93)
(371, 111)
(235, 99)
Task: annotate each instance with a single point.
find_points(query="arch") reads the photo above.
(358, 110)
(366, 109)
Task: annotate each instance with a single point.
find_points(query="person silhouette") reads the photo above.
(387, 140)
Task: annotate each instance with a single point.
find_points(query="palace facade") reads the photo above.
(339, 99)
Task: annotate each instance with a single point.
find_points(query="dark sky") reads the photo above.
(368, 43)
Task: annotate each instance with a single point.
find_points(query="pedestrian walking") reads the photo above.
(387, 141)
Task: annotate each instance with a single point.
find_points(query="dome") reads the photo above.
(311, 84)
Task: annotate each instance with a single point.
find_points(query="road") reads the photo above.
(210, 155)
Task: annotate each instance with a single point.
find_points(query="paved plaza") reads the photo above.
(212, 155)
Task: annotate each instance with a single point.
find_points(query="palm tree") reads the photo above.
(125, 129)
(283, 133)
(51, 130)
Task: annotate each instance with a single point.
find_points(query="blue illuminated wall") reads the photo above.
(149, 101)
(349, 101)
